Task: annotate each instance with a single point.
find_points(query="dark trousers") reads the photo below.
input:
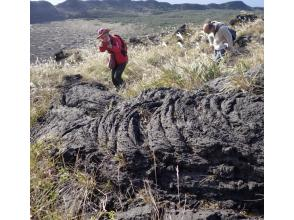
(116, 75)
(218, 54)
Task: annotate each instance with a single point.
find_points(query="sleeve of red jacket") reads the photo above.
(103, 47)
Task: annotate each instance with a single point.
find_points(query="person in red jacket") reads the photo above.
(117, 49)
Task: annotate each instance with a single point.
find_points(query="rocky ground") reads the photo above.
(166, 154)
(48, 38)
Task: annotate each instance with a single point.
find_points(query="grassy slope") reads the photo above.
(155, 66)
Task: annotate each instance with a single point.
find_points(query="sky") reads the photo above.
(253, 3)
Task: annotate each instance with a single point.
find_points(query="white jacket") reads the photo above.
(222, 39)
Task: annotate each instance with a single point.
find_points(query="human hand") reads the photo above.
(100, 44)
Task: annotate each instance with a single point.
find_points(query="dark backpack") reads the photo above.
(232, 31)
(124, 49)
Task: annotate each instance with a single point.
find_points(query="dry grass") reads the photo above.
(256, 29)
(166, 65)
(52, 183)
(157, 66)
(148, 195)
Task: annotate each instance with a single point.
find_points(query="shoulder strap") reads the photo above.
(217, 27)
(111, 40)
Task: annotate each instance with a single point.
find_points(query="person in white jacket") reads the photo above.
(219, 37)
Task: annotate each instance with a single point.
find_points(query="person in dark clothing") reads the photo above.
(117, 49)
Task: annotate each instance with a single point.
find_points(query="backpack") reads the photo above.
(124, 49)
(232, 31)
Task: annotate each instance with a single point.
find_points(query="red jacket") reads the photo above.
(116, 49)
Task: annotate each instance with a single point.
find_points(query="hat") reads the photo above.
(102, 31)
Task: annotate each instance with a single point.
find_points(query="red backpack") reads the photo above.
(124, 49)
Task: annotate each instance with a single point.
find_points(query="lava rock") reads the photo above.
(70, 54)
(242, 41)
(243, 18)
(182, 30)
(167, 144)
(135, 41)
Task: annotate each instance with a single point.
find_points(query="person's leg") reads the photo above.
(117, 74)
(222, 52)
(113, 77)
(218, 55)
